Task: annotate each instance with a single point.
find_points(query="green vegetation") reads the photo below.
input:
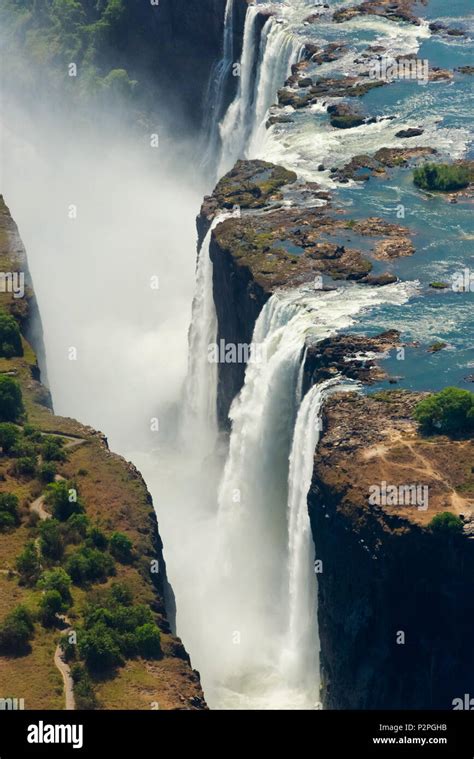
(442, 176)
(10, 336)
(63, 499)
(11, 402)
(437, 346)
(446, 523)
(16, 631)
(9, 435)
(28, 564)
(58, 580)
(47, 472)
(449, 412)
(51, 449)
(440, 285)
(51, 604)
(87, 565)
(51, 539)
(115, 629)
(9, 516)
(83, 688)
(121, 547)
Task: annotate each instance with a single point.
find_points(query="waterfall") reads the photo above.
(216, 91)
(300, 654)
(255, 550)
(199, 412)
(264, 66)
(234, 128)
(280, 49)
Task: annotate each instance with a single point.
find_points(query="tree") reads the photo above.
(63, 499)
(89, 565)
(9, 435)
(75, 528)
(9, 516)
(121, 547)
(26, 465)
(52, 449)
(51, 604)
(148, 641)
(83, 688)
(11, 403)
(449, 412)
(51, 539)
(10, 336)
(98, 647)
(16, 631)
(47, 472)
(28, 564)
(57, 579)
(97, 539)
(442, 176)
(446, 523)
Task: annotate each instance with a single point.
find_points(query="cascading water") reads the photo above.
(249, 574)
(263, 69)
(199, 413)
(300, 654)
(217, 89)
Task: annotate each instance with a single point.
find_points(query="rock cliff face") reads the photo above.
(116, 499)
(188, 38)
(395, 603)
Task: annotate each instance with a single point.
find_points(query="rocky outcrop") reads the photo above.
(115, 499)
(394, 10)
(395, 597)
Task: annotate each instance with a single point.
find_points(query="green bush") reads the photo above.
(59, 580)
(148, 641)
(51, 539)
(96, 539)
(449, 412)
(447, 523)
(52, 448)
(16, 631)
(98, 647)
(75, 528)
(9, 516)
(442, 176)
(84, 695)
(121, 547)
(63, 499)
(9, 435)
(10, 337)
(51, 604)
(89, 565)
(32, 432)
(28, 564)
(11, 403)
(47, 472)
(25, 466)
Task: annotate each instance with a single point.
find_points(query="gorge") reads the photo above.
(315, 248)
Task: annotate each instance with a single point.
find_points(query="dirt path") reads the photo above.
(65, 670)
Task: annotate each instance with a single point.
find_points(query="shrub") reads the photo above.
(16, 631)
(89, 565)
(8, 511)
(121, 547)
(51, 539)
(52, 449)
(9, 435)
(84, 695)
(28, 564)
(148, 641)
(47, 472)
(449, 412)
(10, 337)
(446, 523)
(442, 176)
(57, 579)
(25, 466)
(97, 539)
(75, 528)
(32, 432)
(63, 499)
(98, 647)
(51, 604)
(11, 403)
